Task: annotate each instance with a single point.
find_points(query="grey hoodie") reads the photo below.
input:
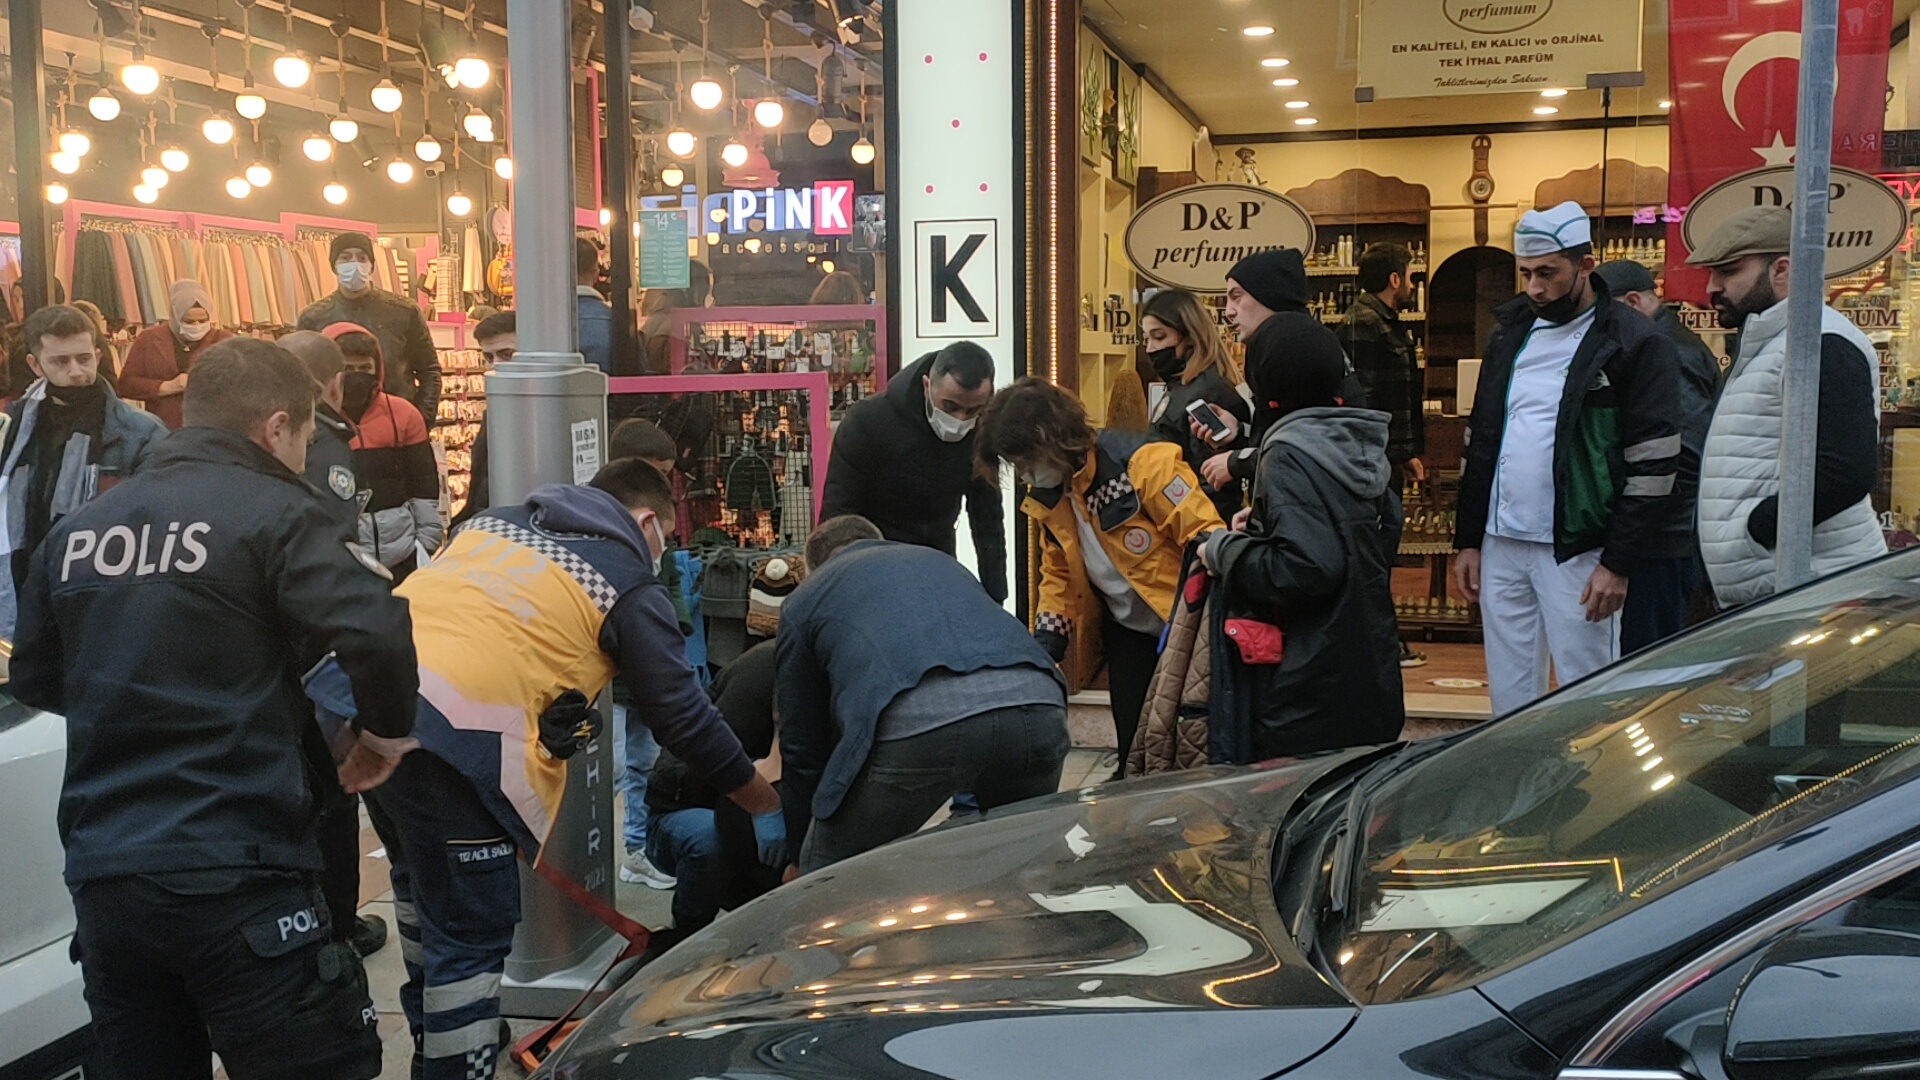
(1349, 443)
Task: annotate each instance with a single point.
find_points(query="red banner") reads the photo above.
(1735, 70)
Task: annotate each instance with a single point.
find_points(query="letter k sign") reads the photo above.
(958, 278)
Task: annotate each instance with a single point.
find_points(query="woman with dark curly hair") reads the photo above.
(1116, 513)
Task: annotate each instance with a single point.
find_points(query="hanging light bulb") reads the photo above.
(428, 149)
(673, 175)
(238, 187)
(400, 170)
(680, 143)
(175, 159)
(335, 192)
(343, 128)
(155, 177)
(446, 72)
(56, 193)
(248, 102)
(820, 133)
(259, 175)
(386, 96)
(317, 147)
(705, 93)
(63, 162)
(218, 129)
(768, 113)
(458, 204)
(103, 105)
(606, 216)
(862, 152)
(472, 72)
(75, 142)
(291, 70)
(146, 193)
(503, 167)
(140, 76)
(734, 153)
(478, 125)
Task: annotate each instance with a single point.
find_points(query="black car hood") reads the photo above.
(1147, 903)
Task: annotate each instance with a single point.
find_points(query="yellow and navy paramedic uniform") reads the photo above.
(526, 603)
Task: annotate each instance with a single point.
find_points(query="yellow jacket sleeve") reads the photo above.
(1170, 495)
(1053, 613)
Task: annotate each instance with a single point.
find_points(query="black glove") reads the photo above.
(1054, 643)
(568, 725)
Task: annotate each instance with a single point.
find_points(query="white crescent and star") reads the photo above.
(1774, 45)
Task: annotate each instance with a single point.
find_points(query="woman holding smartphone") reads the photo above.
(1186, 352)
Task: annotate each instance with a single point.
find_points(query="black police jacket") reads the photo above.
(330, 467)
(167, 621)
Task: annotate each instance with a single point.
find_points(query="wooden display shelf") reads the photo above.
(1354, 271)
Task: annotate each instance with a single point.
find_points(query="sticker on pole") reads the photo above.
(1866, 219)
(586, 450)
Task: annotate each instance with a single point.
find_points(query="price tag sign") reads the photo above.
(663, 249)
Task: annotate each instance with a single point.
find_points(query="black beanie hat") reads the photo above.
(1276, 277)
(1302, 367)
(365, 243)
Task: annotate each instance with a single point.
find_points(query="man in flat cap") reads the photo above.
(1572, 463)
(412, 365)
(1746, 261)
(1664, 585)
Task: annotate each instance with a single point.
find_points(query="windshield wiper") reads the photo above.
(1347, 836)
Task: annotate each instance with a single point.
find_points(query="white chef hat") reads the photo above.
(1544, 232)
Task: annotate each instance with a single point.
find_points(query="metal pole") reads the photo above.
(617, 164)
(30, 151)
(539, 56)
(1800, 389)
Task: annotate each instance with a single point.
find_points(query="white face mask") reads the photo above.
(946, 426)
(1043, 477)
(353, 275)
(195, 331)
(658, 539)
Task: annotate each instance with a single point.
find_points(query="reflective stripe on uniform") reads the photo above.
(403, 913)
(411, 951)
(1649, 486)
(1654, 449)
(440, 999)
(475, 1036)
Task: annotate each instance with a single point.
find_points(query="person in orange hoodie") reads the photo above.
(392, 456)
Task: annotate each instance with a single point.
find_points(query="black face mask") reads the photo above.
(356, 393)
(94, 394)
(1167, 364)
(1560, 312)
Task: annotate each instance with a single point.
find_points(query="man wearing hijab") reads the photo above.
(412, 365)
(162, 356)
(1572, 465)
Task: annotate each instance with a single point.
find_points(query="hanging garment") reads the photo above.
(473, 262)
(123, 277)
(243, 296)
(143, 297)
(93, 276)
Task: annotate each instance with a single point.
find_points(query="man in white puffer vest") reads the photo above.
(1739, 515)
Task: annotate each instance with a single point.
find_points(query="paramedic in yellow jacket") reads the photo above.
(1116, 513)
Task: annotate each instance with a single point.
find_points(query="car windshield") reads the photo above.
(1535, 829)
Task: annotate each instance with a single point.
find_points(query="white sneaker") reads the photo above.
(639, 870)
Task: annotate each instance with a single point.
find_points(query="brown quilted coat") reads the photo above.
(1173, 726)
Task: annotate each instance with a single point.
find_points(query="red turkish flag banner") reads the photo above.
(1735, 72)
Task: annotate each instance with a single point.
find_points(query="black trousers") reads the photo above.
(179, 967)
(338, 832)
(1659, 600)
(1131, 658)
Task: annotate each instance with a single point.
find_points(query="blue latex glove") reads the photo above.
(770, 832)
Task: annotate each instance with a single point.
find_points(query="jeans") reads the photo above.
(1002, 757)
(634, 754)
(686, 844)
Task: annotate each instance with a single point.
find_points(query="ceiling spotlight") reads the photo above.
(335, 192)
(1555, 92)
(606, 216)
(1297, 104)
(472, 72)
(1275, 62)
(75, 142)
(386, 96)
(155, 177)
(317, 147)
(673, 175)
(446, 72)
(249, 104)
(218, 129)
(478, 125)
(1288, 81)
(238, 187)
(820, 133)
(343, 128)
(768, 113)
(1305, 121)
(140, 76)
(503, 167)
(428, 148)
(291, 70)
(259, 175)
(146, 193)
(680, 142)
(175, 159)
(64, 163)
(705, 93)
(459, 205)
(1666, 104)
(56, 193)
(400, 170)
(1258, 30)
(103, 105)
(734, 153)
(1544, 110)
(862, 152)
(826, 266)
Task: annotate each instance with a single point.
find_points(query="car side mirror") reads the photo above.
(1837, 1003)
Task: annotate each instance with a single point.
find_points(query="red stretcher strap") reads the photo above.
(534, 1048)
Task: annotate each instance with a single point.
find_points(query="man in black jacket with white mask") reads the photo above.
(904, 460)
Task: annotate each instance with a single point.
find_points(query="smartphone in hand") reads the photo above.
(1200, 412)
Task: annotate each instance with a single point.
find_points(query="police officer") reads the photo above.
(167, 624)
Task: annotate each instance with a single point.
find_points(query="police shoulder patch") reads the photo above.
(340, 481)
(365, 558)
(1177, 491)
